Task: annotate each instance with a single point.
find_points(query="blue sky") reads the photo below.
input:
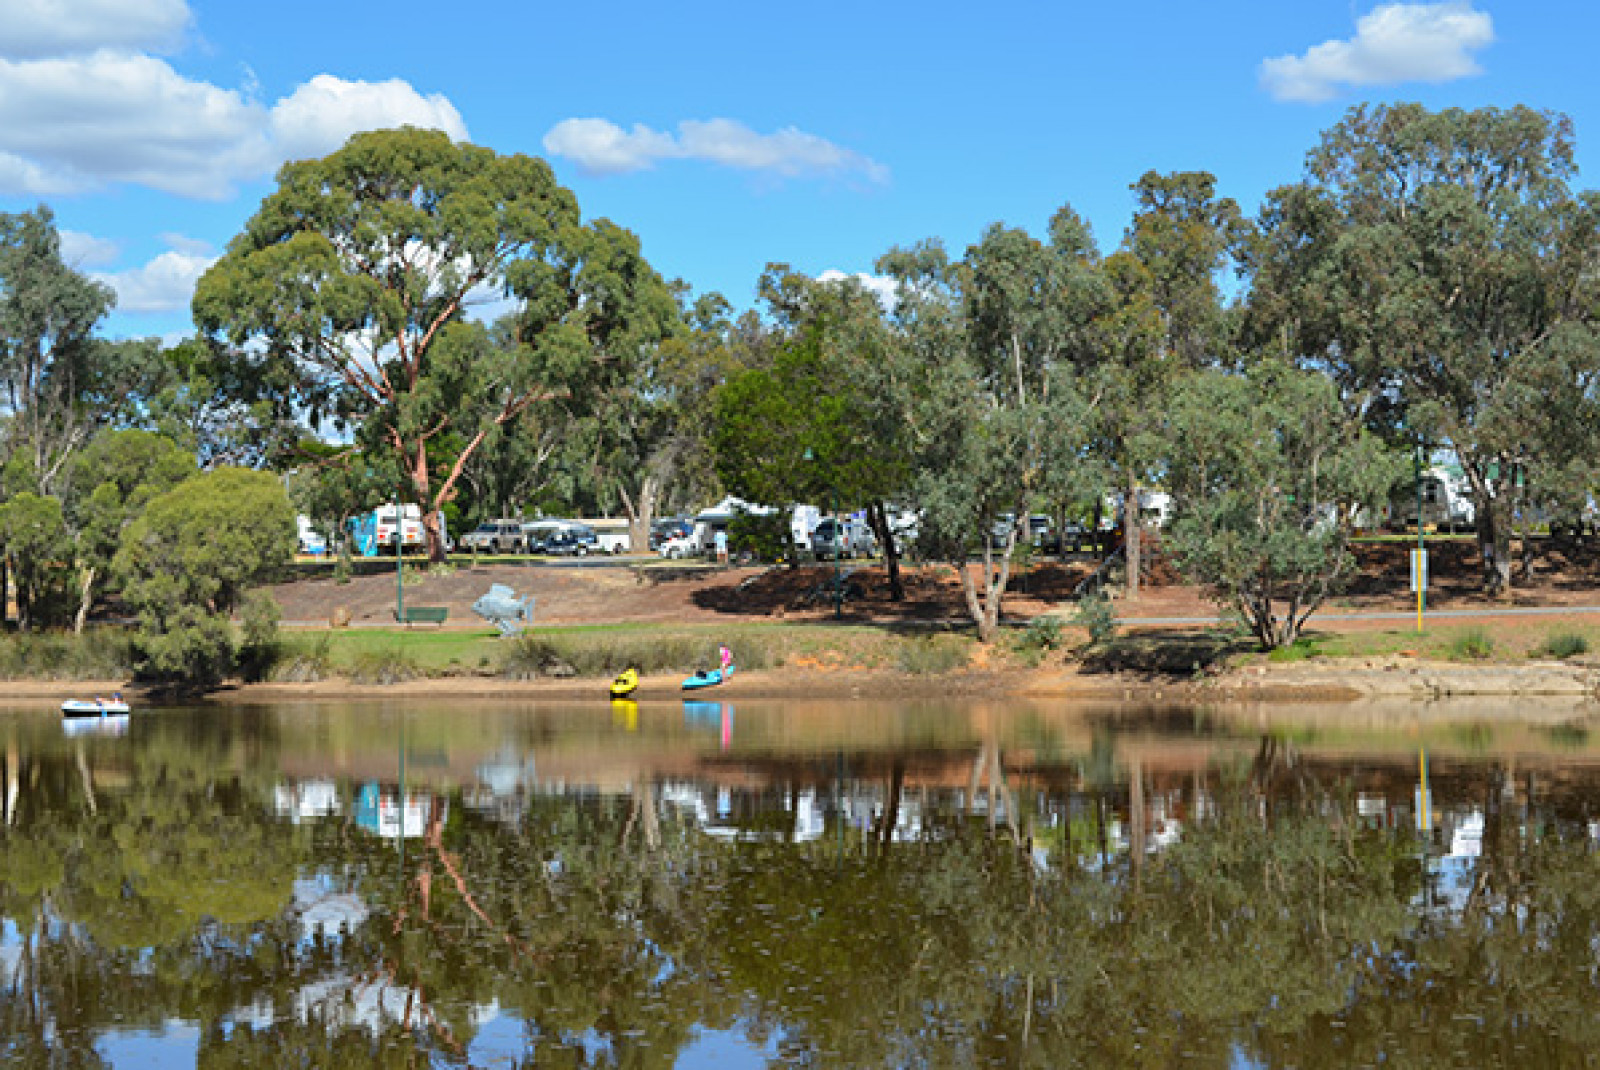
(728, 135)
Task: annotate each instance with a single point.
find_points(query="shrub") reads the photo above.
(304, 661)
(1096, 616)
(765, 537)
(1563, 645)
(259, 630)
(1474, 644)
(1043, 633)
(1299, 650)
(389, 666)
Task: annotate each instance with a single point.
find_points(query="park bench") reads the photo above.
(422, 615)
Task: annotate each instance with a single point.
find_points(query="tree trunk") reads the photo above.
(1494, 544)
(85, 600)
(1130, 538)
(641, 512)
(433, 531)
(878, 517)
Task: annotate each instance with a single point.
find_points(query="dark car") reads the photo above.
(571, 541)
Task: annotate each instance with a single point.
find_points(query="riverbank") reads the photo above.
(1323, 681)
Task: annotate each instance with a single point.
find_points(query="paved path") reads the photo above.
(1505, 611)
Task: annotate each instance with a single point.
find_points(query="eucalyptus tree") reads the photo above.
(50, 360)
(1441, 268)
(113, 479)
(990, 349)
(350, 286)
(1161, 319)
(1266, 476)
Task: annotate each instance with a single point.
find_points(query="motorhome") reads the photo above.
(374, 532)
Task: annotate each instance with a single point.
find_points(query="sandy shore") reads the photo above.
(1313, 681)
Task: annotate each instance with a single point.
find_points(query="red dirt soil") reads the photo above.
(637, 592)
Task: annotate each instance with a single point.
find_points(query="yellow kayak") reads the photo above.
(625, 683)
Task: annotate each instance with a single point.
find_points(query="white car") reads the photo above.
(678, 546)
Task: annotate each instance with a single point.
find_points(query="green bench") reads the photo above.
(422, 615)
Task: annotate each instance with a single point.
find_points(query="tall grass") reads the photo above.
(532, 654)
(97, 654)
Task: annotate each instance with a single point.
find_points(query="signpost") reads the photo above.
(1419, 581)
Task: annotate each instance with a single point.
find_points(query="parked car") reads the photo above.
(1042, 534)
(842, 538)
(678, 546)
(573, 540)
(668, 527)
(496, 537)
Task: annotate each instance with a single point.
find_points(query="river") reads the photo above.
(749, 884)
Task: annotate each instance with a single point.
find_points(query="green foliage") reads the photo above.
(388, 665)
(58, 380)
(1563, 645)
(35, 540)
(1042, 633)
(1267, 472)
(1299, 650)
(1471, 644)
(766, 537)
(259, 646)
(97, 654)
(532, 655)
(187, 561)
(1455, 305)
(1098, 617)
(303, 658)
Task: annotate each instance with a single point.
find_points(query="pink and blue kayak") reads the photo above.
(706, 678)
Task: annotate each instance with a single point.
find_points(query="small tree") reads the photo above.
(113, 479)
(187, 562)
(1266, 473)
(39, 551)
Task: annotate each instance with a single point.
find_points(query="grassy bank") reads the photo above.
(387, 656)
(398, 655)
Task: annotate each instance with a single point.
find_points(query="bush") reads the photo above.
(302, 661)
(391, 666)
(1096, 616)
(259, 628)
(1563, 645)
(767, 538)
(1474, 644)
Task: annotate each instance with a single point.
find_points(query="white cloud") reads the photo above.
(1395, 43)
(600, 146)
(887, 290)
(84, 106)
(165, 284)
(80, 250)
(30, 29)
(83, 121)
(79, 122)
(322, 114)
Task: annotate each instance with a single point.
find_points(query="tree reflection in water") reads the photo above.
(932, 907)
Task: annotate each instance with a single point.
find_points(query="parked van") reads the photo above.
(842, 538)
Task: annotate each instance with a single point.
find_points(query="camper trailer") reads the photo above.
(1446, 504)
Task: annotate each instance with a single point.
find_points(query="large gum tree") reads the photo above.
(349, 290)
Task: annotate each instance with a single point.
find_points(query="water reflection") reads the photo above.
(831, 885)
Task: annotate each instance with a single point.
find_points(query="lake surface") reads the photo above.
(738, 884)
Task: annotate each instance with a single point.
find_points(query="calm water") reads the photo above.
(739, 884)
